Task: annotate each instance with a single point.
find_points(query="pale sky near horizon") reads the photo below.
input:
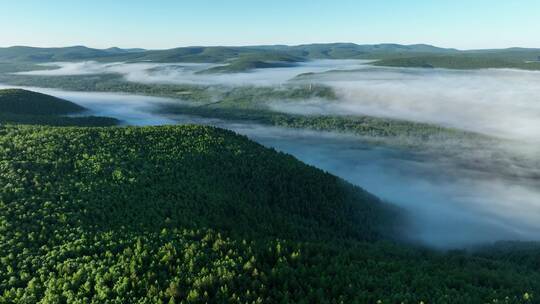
(160, 24)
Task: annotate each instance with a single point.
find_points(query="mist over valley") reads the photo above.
(252, 152)
(457, 191)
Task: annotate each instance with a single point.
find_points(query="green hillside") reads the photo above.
(18, 101)
(19, 106)
(194, 214)
(245, 65)
(355, 51)
(526, 59)
(74, 53)
(62, 121)
(211, 53)
(247, 62)
(218, 53)
(244, 58)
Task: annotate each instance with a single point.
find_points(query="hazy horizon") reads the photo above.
(140, 23)
(262, 45)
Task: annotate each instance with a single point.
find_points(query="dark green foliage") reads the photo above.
(242, 65)
(355, 51)
(196, 214)
(185, 54)
(108, 83)
(218, 53)
(526, 253)
(74, 53)
(359, 125)
(13, 67)
(53, 120)
(17, 101)
(27, 107)
(256, 60)
(191, 171)
(525, 60)
(251, 95)
(249, 57)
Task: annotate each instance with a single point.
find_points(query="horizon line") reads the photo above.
(267, 45)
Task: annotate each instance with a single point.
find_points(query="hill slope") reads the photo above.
(526, 59)
(217, 53)
(193, 214)
(72, 53)
(194, 177)
(19, 101)
(19, 106)
(244, 58)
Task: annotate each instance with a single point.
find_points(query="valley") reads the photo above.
(258, 175)
(416, 163)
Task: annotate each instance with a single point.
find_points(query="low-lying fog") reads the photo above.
(130, 109)
(504, 103)
(186, 73)
(449, 206)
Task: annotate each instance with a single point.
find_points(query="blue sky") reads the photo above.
(171, 23)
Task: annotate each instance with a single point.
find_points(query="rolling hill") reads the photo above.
(18, 101)
(245, 58)
(74, 53)
(209, 53)
(525, 59)
(195, 214)
(19, 106)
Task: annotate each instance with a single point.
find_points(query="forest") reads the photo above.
(247, 58)
(269, 152)
(26, 107)
(194, 214)
(91, 212)
(463, 62)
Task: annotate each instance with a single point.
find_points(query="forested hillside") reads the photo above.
(468, 61)
(245, 58)
(19, 101)
(193, 214)
(214, 53)
(26, 107)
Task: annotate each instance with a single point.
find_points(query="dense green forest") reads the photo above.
(26, 107)
(513, 60)
(216, 53)
(242, 65)
(359, 125)
(19, 101)
(51, 120)
(193, 214)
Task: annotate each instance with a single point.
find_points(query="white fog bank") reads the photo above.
(502, 103)
(187, 73)
(498, 102)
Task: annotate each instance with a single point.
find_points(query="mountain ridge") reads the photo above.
(340, 50)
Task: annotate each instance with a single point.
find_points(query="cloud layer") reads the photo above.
(186, 73)
(503, 103)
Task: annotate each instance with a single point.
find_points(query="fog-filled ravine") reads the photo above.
(447, 205)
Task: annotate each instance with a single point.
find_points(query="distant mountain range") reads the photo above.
(245, 57)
